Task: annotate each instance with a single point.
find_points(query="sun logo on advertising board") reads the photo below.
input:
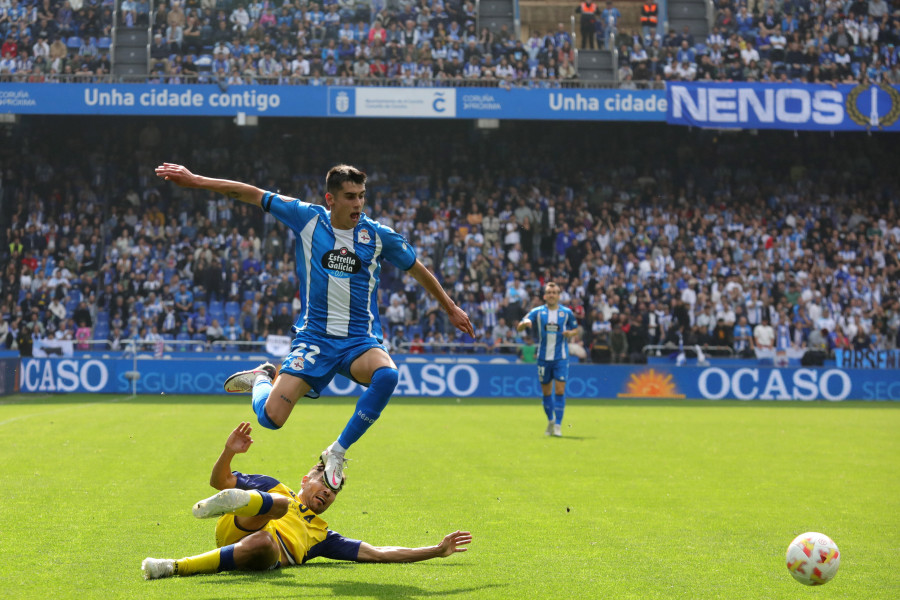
(650, 384)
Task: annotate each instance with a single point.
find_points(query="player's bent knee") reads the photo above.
(385, 379)
(260, 551)
(268, 421)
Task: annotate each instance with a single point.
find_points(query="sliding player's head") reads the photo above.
(313, 491)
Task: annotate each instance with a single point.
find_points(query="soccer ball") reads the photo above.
(813, 558)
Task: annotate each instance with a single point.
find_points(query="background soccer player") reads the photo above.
(339, 254)
(264, 525)
(554, 325)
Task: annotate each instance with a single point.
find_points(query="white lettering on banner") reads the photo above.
(432, 380)
(16, 98)
(616, 103)
(473, 380)
(248, 99)
(94, 97)
(781, 105)
(716, 384)
(480, 102)
(389, 102)
(722, 105)
(187, 99)
(63, 376)
(433, 375)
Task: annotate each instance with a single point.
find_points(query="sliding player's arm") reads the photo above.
(237, 443)
(236, 190)
(452, 543)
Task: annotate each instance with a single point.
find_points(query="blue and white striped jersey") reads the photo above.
(339, 269)
(552, 344)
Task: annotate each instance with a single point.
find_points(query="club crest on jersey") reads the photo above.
(341, 263)
(364, 237)
(297, 363)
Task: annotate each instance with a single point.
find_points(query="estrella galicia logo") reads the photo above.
(874, 106)
(341, 263)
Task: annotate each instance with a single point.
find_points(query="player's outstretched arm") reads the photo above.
(237, 443)
(458, 317)
(180, 175)
(451, 544)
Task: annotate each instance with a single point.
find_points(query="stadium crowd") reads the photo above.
(352, 42)
(793, 241)
(45, 39)
(813, 41)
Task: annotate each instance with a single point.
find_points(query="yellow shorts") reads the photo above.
(228, 532)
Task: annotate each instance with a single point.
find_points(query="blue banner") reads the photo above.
(865, 107)
(322, 101)
(460, 380)
(867, 359)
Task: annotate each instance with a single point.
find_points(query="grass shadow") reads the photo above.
(345, 589)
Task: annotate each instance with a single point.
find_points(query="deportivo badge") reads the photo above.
(364, 237)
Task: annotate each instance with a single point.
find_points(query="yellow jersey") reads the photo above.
(301, 533)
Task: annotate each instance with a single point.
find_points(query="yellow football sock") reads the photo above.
(207, 562)
(260, 503)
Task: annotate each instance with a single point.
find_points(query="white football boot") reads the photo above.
(334, 467)
(549, 430)
(242, 381)
(557, 430)
(157, 568)
(224, 502)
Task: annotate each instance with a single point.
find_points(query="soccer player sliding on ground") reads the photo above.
(263, 525)
(339, 254)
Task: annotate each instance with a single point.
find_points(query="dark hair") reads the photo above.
(338, 174)
(318, 472)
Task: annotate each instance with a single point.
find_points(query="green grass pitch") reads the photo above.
(640, 499)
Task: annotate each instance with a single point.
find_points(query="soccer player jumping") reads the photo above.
(555, 324)
(338, 256)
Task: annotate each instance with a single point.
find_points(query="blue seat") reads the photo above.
(104, 43)
(249, 295)
(182, 337)
(102, 317)
(75, 295)
(101, 331)
(73, 42)
(232, 309)
(71, 305)
(217, 311)
(198, 304)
